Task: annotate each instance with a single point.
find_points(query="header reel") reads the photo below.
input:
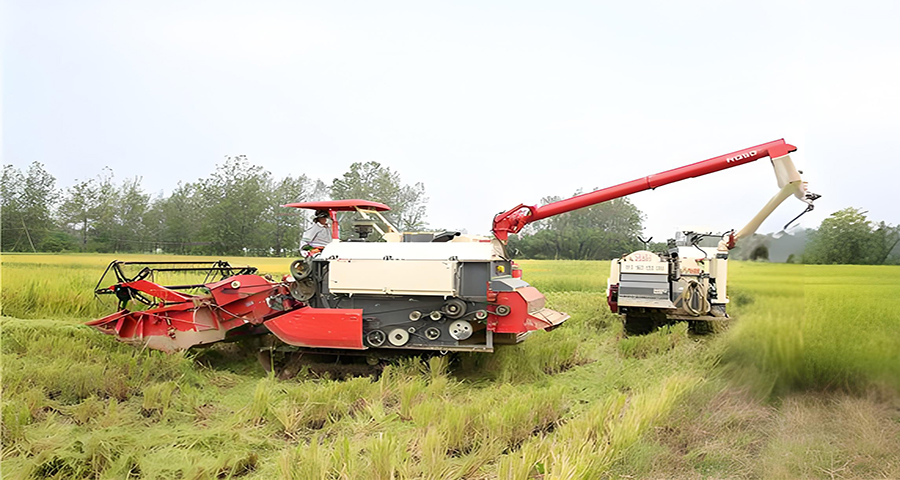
(124, 292)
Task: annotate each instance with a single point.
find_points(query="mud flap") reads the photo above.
(544, 317)
(319, 328)
(527, 312)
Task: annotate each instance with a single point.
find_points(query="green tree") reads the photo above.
(179, 219)
(11, 222)
(59, 241)
(28, 204)
(153, 226)
(374, 182)
(287, 224)
(884, 239)
(760, 253)
(103, 235)
(134, 205)
(234, 203)
(108, 218)
(602, 231)
(849, 237)
(77, 209)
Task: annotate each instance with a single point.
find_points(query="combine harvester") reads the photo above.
(688, 281)
(410, 293)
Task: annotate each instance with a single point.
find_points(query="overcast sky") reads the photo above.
(489, 104)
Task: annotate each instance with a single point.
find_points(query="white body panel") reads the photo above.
(692, 261)
(719, 271)
(786, 173)
(483, 251)
(393, 277)
(692, 252)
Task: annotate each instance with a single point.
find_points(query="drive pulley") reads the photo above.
(454, 308)
(460, 330)
(301, 268)
(398, 337)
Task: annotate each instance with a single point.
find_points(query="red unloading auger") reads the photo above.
(513, 220)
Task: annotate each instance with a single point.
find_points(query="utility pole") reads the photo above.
(29, 236)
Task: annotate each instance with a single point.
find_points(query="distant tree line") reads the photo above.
(849, 237)
(611, 229)
(603, 231)
(236, 210)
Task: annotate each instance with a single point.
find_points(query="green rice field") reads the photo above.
(804, 383)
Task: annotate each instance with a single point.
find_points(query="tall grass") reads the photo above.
(566, 275)
(581, 401)
(62, 286)
(587, 446)
(823, 327)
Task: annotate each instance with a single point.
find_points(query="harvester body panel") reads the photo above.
(393, 277)
(319, 328)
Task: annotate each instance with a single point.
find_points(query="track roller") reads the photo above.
(376, 338)
(398, 337)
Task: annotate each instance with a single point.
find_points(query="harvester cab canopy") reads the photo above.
(371, 220)
(366, 210)
(342, 205)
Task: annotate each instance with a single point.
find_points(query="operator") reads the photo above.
(318, 235)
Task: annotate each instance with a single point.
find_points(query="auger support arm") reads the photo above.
(513, 220)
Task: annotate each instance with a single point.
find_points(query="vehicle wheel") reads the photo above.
(639, 325)
(701, 327)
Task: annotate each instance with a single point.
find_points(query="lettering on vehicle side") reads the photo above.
(742, 156)
(645, 267)
(642, 256)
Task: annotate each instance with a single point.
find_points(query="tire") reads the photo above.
(702, 327)
(639, 325)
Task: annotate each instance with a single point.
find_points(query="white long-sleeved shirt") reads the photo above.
(317, 235)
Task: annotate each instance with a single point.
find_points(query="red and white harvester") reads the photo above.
(409, 292)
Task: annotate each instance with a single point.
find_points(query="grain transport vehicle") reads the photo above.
(688, 281)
